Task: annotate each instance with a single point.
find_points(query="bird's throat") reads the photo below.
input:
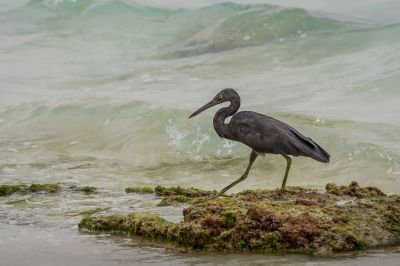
(222, 128)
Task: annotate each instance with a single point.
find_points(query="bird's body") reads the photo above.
(263, 134)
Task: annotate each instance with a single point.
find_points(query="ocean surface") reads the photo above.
(98, 93)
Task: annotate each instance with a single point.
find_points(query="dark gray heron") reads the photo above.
(263, 134)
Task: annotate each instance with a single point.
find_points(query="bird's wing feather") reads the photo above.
(261, 133)
(266, 134)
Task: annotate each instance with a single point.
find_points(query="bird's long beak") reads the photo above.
(205, 107)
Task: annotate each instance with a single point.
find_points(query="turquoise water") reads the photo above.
(98, 93)
(112, 82)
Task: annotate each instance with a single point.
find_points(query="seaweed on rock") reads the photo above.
(172, 196)
(301, 220)
(7, 190)
(139, 190)
(188, 192)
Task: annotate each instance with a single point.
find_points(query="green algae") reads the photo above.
(139, 190)
(142, 224)
(354, 190)
(174, 196)
(50, 188)
(295, 220)
(7, 190)
(93, 211)
(89, 190)
(85, 190)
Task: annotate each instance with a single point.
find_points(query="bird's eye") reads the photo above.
(220, 97)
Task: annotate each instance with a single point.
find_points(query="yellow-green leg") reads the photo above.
(288, 164)
(253, 157)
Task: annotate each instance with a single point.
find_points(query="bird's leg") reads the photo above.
(253, 157)
(288, 164)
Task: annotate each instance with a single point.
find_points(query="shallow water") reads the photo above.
(98, 93)
(65, 247)
(41, 229)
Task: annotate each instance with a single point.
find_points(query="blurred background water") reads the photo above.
(98, 92)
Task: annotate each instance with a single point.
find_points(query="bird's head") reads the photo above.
(226, 95)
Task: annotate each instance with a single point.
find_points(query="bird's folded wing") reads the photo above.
(266, 134)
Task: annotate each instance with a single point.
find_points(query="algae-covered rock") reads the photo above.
(354, 190)
(139, 190)
(86, 190)
(7, 190)
(188, 192)
(295, 220)
(50, 188)
(174, 200)
(143, 224)
(173, 196)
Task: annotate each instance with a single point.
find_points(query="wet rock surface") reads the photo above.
(304, 220)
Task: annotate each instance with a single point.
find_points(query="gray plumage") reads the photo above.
(263, 134)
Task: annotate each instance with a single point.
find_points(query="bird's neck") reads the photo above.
(220, 127)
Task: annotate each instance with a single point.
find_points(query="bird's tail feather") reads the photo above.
(314, 150)
(321, 154)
